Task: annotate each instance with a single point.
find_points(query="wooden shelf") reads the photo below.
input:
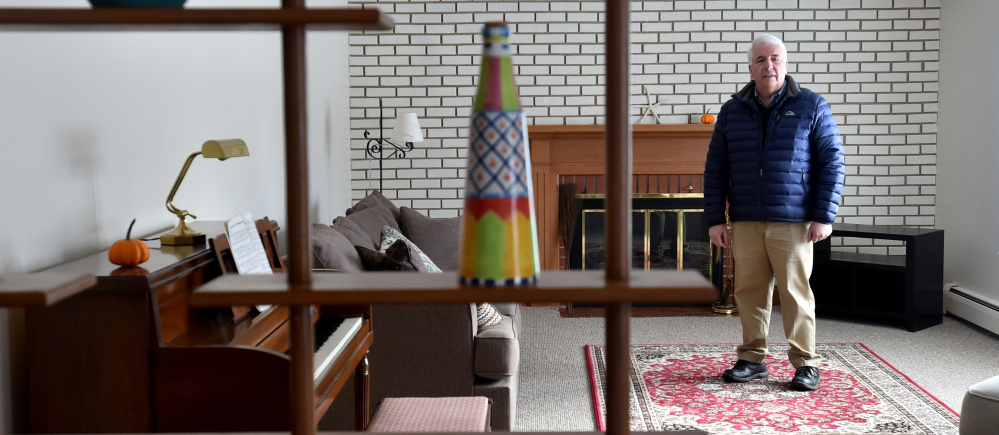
(383, 288)
(41, 289)
(884, 232)
(890, 262)
(202, 19)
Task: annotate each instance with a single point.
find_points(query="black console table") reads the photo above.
(891, 287)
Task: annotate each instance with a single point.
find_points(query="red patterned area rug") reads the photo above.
(679, 387)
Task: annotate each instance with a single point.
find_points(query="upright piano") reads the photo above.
(129, 355)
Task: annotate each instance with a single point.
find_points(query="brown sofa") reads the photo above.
(425, 350)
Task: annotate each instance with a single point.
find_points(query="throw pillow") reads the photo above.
(390, 235)
(370, 222)
(396, 257)
(377, 200)
(332, 250)
(487, 315)
(437, 237)
(355, 233)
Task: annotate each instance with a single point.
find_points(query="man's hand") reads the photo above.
(720, 235)
(817, 232)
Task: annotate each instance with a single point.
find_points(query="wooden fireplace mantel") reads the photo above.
(565, 150)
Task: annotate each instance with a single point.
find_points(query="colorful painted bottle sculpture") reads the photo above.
(499, 245)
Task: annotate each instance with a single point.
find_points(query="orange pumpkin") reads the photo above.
(129, 252)
(707, 118)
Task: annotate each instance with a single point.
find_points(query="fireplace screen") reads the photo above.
(668, 232)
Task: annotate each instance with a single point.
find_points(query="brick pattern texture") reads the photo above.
(875, 61)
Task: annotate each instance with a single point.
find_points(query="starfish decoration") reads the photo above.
(649, 108)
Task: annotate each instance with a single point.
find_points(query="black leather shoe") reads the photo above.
(745, 371)
(806, 378)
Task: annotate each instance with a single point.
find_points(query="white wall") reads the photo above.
(329, 124)
(968, 201)
(95, 127)
(875, 61)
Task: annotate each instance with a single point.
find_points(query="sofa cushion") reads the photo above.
(367, 222)
(375, 199)
(396, 257)
(438, 238)
(390, 235)
(497, 351)
(332, 250)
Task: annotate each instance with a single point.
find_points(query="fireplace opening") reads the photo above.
(668, 232)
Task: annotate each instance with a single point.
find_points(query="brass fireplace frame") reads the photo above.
(647, 236)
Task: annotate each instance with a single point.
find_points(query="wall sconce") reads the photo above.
(213, 149)
(407, 128)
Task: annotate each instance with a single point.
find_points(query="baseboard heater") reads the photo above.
(972, 307)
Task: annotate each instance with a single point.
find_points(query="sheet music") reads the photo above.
(247, 248)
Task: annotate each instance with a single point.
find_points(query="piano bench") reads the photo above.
(432, 414)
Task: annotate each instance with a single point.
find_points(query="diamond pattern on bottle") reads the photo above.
(497, 166)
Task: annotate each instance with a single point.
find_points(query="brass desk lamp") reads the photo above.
(213, 149)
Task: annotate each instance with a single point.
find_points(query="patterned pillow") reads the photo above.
(390, 235)
(487, 315)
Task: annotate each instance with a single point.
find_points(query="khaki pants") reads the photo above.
(763, 251)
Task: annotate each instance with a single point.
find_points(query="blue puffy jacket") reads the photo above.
(795, 174)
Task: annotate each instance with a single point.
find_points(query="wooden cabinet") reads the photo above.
(90, 358)
(130, 355)
(905, 288)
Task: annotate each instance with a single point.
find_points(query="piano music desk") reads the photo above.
(130, 355)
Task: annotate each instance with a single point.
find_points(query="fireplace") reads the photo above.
(667, 167)
(668, 232)
(667, 159)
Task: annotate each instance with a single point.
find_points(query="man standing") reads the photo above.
(776, 161)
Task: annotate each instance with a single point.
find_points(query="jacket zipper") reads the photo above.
(770, 132)
(763, 150)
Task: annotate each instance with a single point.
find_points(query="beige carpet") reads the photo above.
(554, 389)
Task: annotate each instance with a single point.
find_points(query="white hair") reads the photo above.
(765, 38)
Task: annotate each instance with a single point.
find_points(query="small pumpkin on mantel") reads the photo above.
(707, 118)
(129, 252)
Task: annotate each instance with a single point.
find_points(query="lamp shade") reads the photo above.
(407, 128)
(224, 148)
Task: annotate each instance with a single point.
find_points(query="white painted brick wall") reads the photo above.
(875, 61)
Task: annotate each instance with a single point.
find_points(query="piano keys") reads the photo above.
(129, 355)
(330, 341)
